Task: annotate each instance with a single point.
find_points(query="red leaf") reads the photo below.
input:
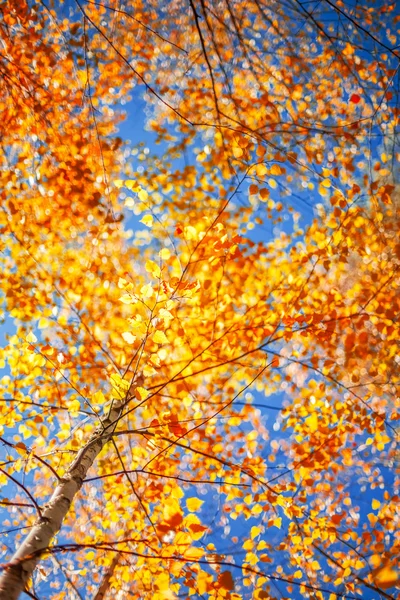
(275, 362)
(355, 98)
(225, 580)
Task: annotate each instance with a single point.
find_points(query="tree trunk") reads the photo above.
(18, 571)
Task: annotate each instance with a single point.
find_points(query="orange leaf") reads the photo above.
(253, 189)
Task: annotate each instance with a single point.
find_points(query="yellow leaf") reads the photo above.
(128, 337)
(183, 540)
(296, 539)
(252, 558)
(149, 371)
(202, 582)
(161, 581)
(31, 338)
(153, 268)
(262, 545)
(194, 553)
(164, 254)
(278, 522)
(375, 560)
(193, 504)
(178, 493)
(136, 322)
(261, 170)
(98, 398)
(159, 337)
(190, 233)
(143, 195)
(375, 504)
(298, 574)
(119, 385)
(140, 393)
(193, 524)
(312, 422)
(147, 291)
(127, 299)
(132, 185)
(83, 76)
(315, 565)
(326, 183)
(147, 220)
(74, 405)
(254, 532)
(165, 315)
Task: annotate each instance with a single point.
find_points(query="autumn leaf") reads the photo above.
(153, 268)
(386, 577)
(225, 581)
(194, 504)
(355, 98)
(128, 337)
(147, 220)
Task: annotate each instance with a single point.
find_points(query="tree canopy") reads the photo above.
(201, 332)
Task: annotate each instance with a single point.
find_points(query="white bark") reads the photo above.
(15, 577)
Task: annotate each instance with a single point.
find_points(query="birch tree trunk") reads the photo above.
(18, 571)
